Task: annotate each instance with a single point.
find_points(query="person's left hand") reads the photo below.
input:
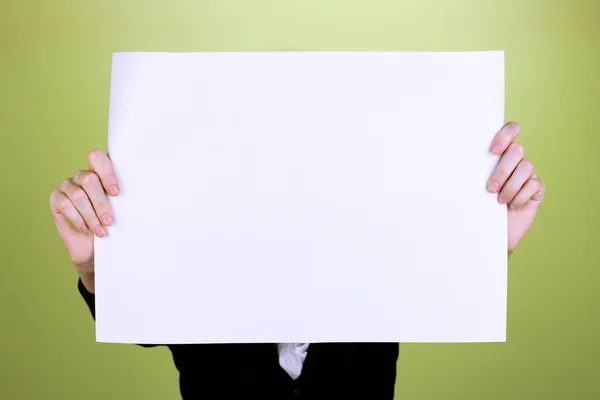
(516, 183)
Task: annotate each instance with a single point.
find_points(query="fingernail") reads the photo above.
(106, 218)
(114, 190)
(493, 185)
(100, 231)
(497, 148)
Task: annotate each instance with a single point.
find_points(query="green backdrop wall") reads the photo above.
(55, 59)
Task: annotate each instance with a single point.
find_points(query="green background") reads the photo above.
(55, 60)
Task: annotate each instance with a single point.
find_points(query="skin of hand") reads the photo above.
(516, 183)
(81, 209)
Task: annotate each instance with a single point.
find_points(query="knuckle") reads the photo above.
(54, 200)
(79, 195)
(101, 205)
(94, 155)
(89, 179)
(53, 194)
(518, 149)
(64, 184)
(528, 166)
(79, 174)
(63, 205)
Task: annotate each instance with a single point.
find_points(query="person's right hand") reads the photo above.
(81, 210)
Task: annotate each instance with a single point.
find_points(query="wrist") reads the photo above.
(86, 274)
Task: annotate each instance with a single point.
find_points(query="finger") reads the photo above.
(90, 182)
(507, 135)
(531, 190)
(100, 163)
(60, 204)
(541, 189)
(81, 201)
(509, 161)
(522, 173)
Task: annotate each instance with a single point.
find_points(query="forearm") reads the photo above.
(86, 275)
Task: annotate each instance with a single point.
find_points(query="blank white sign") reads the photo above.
(304, 197)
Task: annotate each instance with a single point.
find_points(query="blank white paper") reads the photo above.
(304, 197)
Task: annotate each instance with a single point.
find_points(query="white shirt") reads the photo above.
(291, 357)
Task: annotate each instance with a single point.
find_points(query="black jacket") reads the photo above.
(251, 371)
